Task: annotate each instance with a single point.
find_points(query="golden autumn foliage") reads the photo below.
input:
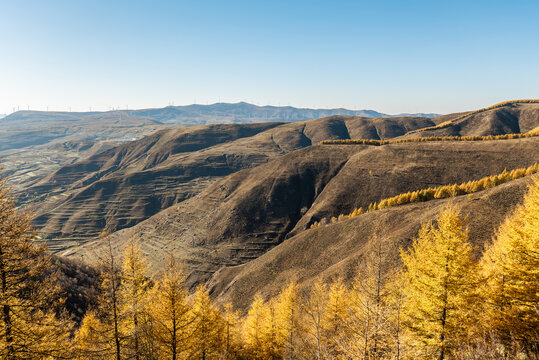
(207, 328)
(255, 328)
(439, 287)
(510, 267)
(444, 303)
(441, 192)
(133, 291)
(28, 330)
(171, 312)
(103, 334)
(370, 310)
(373, 142)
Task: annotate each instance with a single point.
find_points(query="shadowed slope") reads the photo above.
(380, 171)
(237, 218)
(336, 249)
(246, 214)
(508, 118)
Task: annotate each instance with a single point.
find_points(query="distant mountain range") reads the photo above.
(218, 113)
(244, 112)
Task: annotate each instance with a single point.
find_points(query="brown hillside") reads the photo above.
(336, 249)
(125, 185)
(366, 177)
(509, 118)
(446, 117)
(244, 215)
(236, 219)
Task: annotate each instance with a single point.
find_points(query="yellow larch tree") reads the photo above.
(28, 328)
(231, 332)
(288, 313)
(273, 341)
(102, 334)
(207, 327)
(335, 317)
(171, 312)
(510, 266)
(315, 309)
(395, 290)
(255, 328)
(439, 272)
(133, 295)
(369, 316)
(89, 341)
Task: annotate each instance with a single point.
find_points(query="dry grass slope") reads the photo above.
(127, 184)
(242, 216)
(450, 122)
(441, 192)
(334, 251)
(532, 133)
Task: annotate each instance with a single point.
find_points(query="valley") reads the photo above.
(224, 195)
(252, 211)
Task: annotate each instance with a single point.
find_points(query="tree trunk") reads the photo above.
(442, 335)
(173, 343)
(135, 321)
(114, 304)
(8, 325)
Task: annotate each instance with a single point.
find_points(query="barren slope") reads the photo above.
(244, 215)
(335, 250)
(125, 185)
(511, 118)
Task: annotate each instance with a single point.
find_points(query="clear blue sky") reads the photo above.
(390, 56)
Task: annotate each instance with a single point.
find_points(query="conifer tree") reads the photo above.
(393, 306)
(28, 329)
(315, 308)
(255, 328)
(335, 316)
(440, 286)
(132, 296)
(231, 332)
(510, 266)
(89, 339)
(273, 341)
(368, 322)
(289, 320)
(102, 334)
(171, 312)
(207, 327)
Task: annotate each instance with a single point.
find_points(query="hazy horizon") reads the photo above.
(209, 104)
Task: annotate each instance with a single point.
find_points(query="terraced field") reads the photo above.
(242, 216)
(32, 146)
(125, 185)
